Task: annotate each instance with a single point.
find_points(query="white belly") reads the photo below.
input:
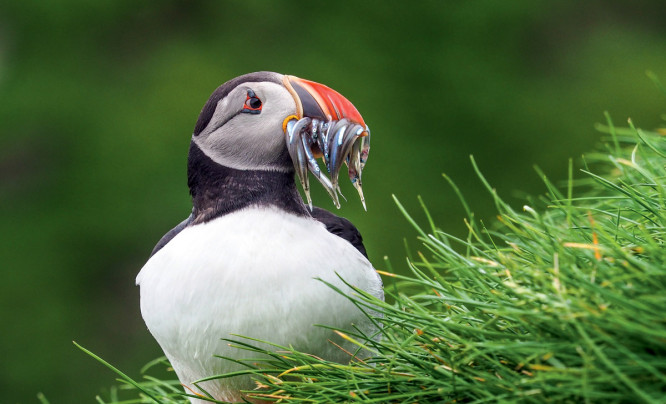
(251, 273)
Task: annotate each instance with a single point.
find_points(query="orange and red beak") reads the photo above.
(318, 101)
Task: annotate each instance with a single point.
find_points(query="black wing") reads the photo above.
(341, 227)
(171, 234)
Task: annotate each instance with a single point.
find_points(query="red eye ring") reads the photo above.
(252, 103)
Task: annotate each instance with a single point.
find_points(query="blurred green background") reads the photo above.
(98, 101)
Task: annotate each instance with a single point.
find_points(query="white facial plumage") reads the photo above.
(247, 141)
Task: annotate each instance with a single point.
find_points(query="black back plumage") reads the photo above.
(341, 227)
(171, 234)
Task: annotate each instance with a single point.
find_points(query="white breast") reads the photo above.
(252, 273)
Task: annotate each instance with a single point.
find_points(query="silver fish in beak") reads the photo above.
(330, 127)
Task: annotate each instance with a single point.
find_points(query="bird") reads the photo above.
(253, 258)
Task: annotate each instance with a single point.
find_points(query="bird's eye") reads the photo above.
(252, 103)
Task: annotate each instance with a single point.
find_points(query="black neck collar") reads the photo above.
(217, 190)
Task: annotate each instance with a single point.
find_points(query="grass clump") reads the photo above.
(563, 301)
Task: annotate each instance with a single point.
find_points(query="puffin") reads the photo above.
(253, 259)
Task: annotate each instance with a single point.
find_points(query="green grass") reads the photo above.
(561, 301)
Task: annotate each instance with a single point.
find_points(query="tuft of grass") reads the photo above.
(562, 301)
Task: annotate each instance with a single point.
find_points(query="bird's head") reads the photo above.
(274, 122)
